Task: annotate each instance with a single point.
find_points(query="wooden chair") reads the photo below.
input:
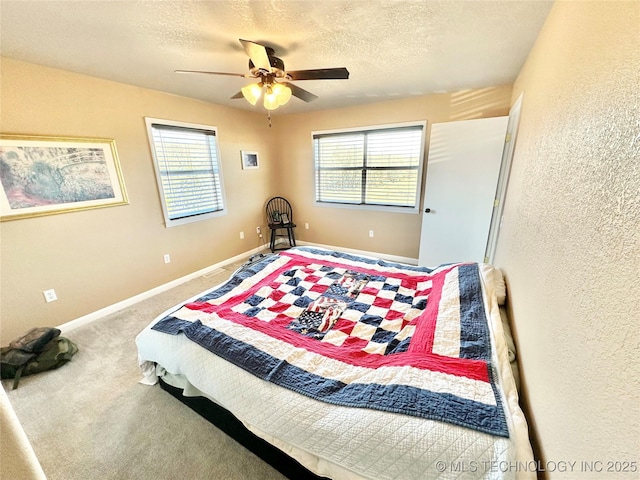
(280, 217)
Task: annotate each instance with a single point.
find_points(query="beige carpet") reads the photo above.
(91, 419)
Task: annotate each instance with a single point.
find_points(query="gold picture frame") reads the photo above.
(47, 175)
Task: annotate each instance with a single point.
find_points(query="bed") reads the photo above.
(352, 366)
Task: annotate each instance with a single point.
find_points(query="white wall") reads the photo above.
(18, 458)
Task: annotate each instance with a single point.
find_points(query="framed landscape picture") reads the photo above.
(51, 175)
(249, 160)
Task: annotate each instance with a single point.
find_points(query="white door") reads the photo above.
(503, 179)
(462, 174)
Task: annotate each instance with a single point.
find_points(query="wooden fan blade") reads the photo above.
(216, 73)
(300, 93)
(319, 74)
(238, 95)
(258, 54)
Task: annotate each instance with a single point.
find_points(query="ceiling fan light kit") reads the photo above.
(275, 94)
(265, 66)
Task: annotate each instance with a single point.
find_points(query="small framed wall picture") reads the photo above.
(249, 160)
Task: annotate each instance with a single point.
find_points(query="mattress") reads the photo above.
(342, 441)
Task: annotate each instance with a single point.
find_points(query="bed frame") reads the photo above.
(229, 424)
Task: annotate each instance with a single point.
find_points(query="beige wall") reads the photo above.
(96, 258)
(394, 233)
(569, 245)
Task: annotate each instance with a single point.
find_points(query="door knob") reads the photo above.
(427, 210)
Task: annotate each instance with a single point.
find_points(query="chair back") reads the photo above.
(279, 211)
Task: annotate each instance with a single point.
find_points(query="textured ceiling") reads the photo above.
(392, 49)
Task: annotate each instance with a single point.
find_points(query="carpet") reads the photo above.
(91, 419)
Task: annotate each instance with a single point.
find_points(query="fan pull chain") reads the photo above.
(269, 117)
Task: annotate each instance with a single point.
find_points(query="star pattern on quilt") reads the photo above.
(373, 313)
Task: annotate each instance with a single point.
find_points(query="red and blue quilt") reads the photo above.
(356, 331)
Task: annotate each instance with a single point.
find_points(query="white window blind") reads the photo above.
(188, 170)
(377, 167)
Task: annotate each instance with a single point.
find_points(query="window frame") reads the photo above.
(365, 129)
(150, 121)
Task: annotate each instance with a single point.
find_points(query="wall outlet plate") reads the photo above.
(50, 295)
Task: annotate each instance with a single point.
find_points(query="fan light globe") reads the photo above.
(282, 92)
(271, 99)
(252, 92)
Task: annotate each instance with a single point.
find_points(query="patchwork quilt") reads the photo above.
(356, 331)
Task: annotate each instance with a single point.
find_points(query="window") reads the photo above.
(377, 167)
(187, 164)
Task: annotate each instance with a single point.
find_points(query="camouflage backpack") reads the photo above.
(38, 350)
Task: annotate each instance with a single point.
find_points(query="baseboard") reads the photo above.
(91, 317)
(384, 256)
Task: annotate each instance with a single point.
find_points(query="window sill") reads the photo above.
(375, 208)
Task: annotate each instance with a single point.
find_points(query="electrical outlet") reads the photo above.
(241, 235)
(258, 230)
(167, 258)
(371, 233)
(50, 295)
(306, 226)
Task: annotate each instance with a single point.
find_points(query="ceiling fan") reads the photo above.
(274, 79)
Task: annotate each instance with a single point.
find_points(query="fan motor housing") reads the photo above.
(276, 64)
